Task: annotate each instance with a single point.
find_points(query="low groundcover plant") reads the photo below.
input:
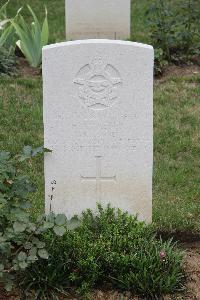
(108, 248)
(52, 254)
(7, 63)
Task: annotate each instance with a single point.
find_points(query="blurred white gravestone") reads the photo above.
(87, 19)
(98, 121)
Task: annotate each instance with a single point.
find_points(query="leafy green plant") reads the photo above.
(175, 29)
(7, 32)
(189, 24)
(162, 26)
(108, 247)
(31, 39)
(159, 62)
(7, 62)
(21, 244)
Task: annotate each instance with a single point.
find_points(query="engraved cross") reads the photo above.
(98, 178)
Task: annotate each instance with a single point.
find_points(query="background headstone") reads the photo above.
(97, 19)
(98, 120)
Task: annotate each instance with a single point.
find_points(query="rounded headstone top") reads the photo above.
(98, 42)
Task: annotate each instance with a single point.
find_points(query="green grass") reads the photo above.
(177, 154)
(21, 124)
(176, 197)
(176, 144)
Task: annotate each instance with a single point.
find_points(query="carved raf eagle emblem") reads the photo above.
(98, 84)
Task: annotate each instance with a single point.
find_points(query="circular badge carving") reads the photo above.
(98, 84)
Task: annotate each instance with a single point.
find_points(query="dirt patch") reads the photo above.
(192, 270)
(10, 296)
(178, 71)
(183, 237)
(182, 70)
(25, 71)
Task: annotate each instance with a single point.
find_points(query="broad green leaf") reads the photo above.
(38, 150)
(3, 10)
(40, 245)
(22, 256)
(43, 254)
(36, 32)
(59, 230)
(5, 35)
(31, 227)
(45, 31)
(32, 258)
(27, 150)
(31, 38)
(27, 245)
(40, 218)
(4, 155)
(2, 239)
(51, 217)
(8, 286)
(16, 267)
(60, 219)
(25, 205)
(22, 216)
(19, 227)
(33, 251)
(73, 223)
(47, 150)
(1, 267)
(25, 43)
(48, 225)
(35, 241)
(3, 201)
(23, 265)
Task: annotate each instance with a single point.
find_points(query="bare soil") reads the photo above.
(178, 71)
(25, 71)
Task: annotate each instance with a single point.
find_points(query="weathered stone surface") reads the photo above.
(98, 120)
(97, 19)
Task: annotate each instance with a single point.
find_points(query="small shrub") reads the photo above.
(7, 62)
(174, 29)
(31, 38)
(159, 62)
(20, 235)
(189, 20)
(109, 247)
(51, 254)
(163, 26)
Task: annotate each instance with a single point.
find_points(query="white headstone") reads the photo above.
(97, 19)
(98, 121)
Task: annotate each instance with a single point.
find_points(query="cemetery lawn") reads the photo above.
(176, 193)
